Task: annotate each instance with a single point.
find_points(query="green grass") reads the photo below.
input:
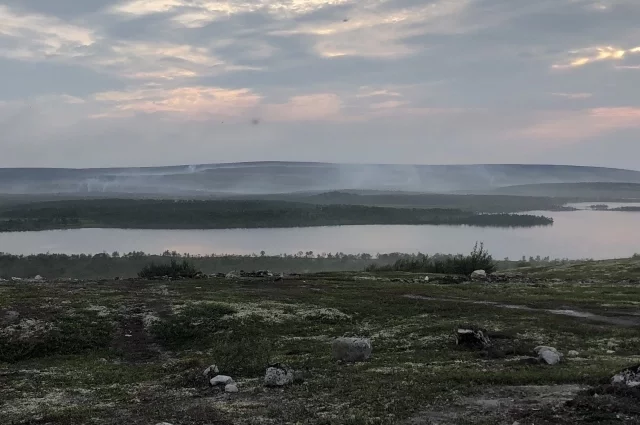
(96, 374)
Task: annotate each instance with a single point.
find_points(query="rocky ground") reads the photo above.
(135, 352)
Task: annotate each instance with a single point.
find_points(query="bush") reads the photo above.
(192, 328)
(478, 259)
(174, 270)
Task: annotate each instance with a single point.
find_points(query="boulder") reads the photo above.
(351, 349)
(38, 278)
(573, 353)
(472, 337)
(221, 380)
(548, 355)
(278, 375)
(232, 275)
(231, 388)
(629, 377)
(479, 275)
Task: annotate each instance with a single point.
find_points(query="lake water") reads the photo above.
(576, 234)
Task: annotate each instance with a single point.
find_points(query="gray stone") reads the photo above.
(479, 275)
(278, 376)
(231, 388)
(221, 380)
(351, 349)
(573, 353)
(548, 355)
(211, 370)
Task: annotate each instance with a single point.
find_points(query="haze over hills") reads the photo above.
(254, 178)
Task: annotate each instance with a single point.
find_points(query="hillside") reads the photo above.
(288, 177)
(604, 191)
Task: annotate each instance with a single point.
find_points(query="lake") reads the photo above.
(574, 235)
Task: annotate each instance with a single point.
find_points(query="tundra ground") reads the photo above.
(130, 351)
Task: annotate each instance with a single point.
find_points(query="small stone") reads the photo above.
(472, 337)
(479, 275)
(426, 278)
(278, 376)
(610, 351)
(351, 349)
(573, 353)
(163, 423)
(221, 380)
(231, 388)
(548, 355)
(211, 370)
(38, 278)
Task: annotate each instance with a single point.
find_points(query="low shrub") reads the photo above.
(174, 270)
(478, 259)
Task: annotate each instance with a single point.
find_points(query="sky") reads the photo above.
(99, 83)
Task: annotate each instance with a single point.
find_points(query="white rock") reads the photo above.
(573, 353)
(351, 349)
(426, 278)
(478, 275)
(211, 370)
(38, 278)
(549, 355)
(221, 380)
(629, 377)
(231, 388)
(278, 376)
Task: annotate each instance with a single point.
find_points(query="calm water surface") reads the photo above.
(577, 234)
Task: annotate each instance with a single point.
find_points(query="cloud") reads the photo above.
(590, 55)
(36, 37)
(443, 80)
(574, 126)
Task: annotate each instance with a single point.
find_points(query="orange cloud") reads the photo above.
(595, 54)
(579, 125)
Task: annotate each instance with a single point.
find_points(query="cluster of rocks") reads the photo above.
(216, 380)
(629, 377)
(475, 338)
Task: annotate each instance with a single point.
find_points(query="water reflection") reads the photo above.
(577, 234)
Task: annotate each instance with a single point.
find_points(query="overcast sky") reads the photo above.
(90, 83)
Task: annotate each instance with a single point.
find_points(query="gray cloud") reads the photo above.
(132, 82)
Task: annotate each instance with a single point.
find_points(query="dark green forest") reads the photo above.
(227, 214)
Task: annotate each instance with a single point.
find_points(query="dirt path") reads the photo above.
(623, 320)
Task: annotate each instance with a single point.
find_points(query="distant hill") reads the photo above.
(593, 191)
(289, 177)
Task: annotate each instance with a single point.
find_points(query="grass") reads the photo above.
(96, 374)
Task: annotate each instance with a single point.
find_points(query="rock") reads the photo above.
(221, 380)
(629, 377)
(573, 353)
(38, 278)
(351, 349)
(426, 278)
(472, 337)
(16, 279)
(278, 375)
(10, 318)
(211, 370)
(163, 423)
(232, 275)
(548, 355)
(479, 275)
(231, 388)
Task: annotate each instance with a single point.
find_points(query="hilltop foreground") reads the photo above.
(134, 352)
